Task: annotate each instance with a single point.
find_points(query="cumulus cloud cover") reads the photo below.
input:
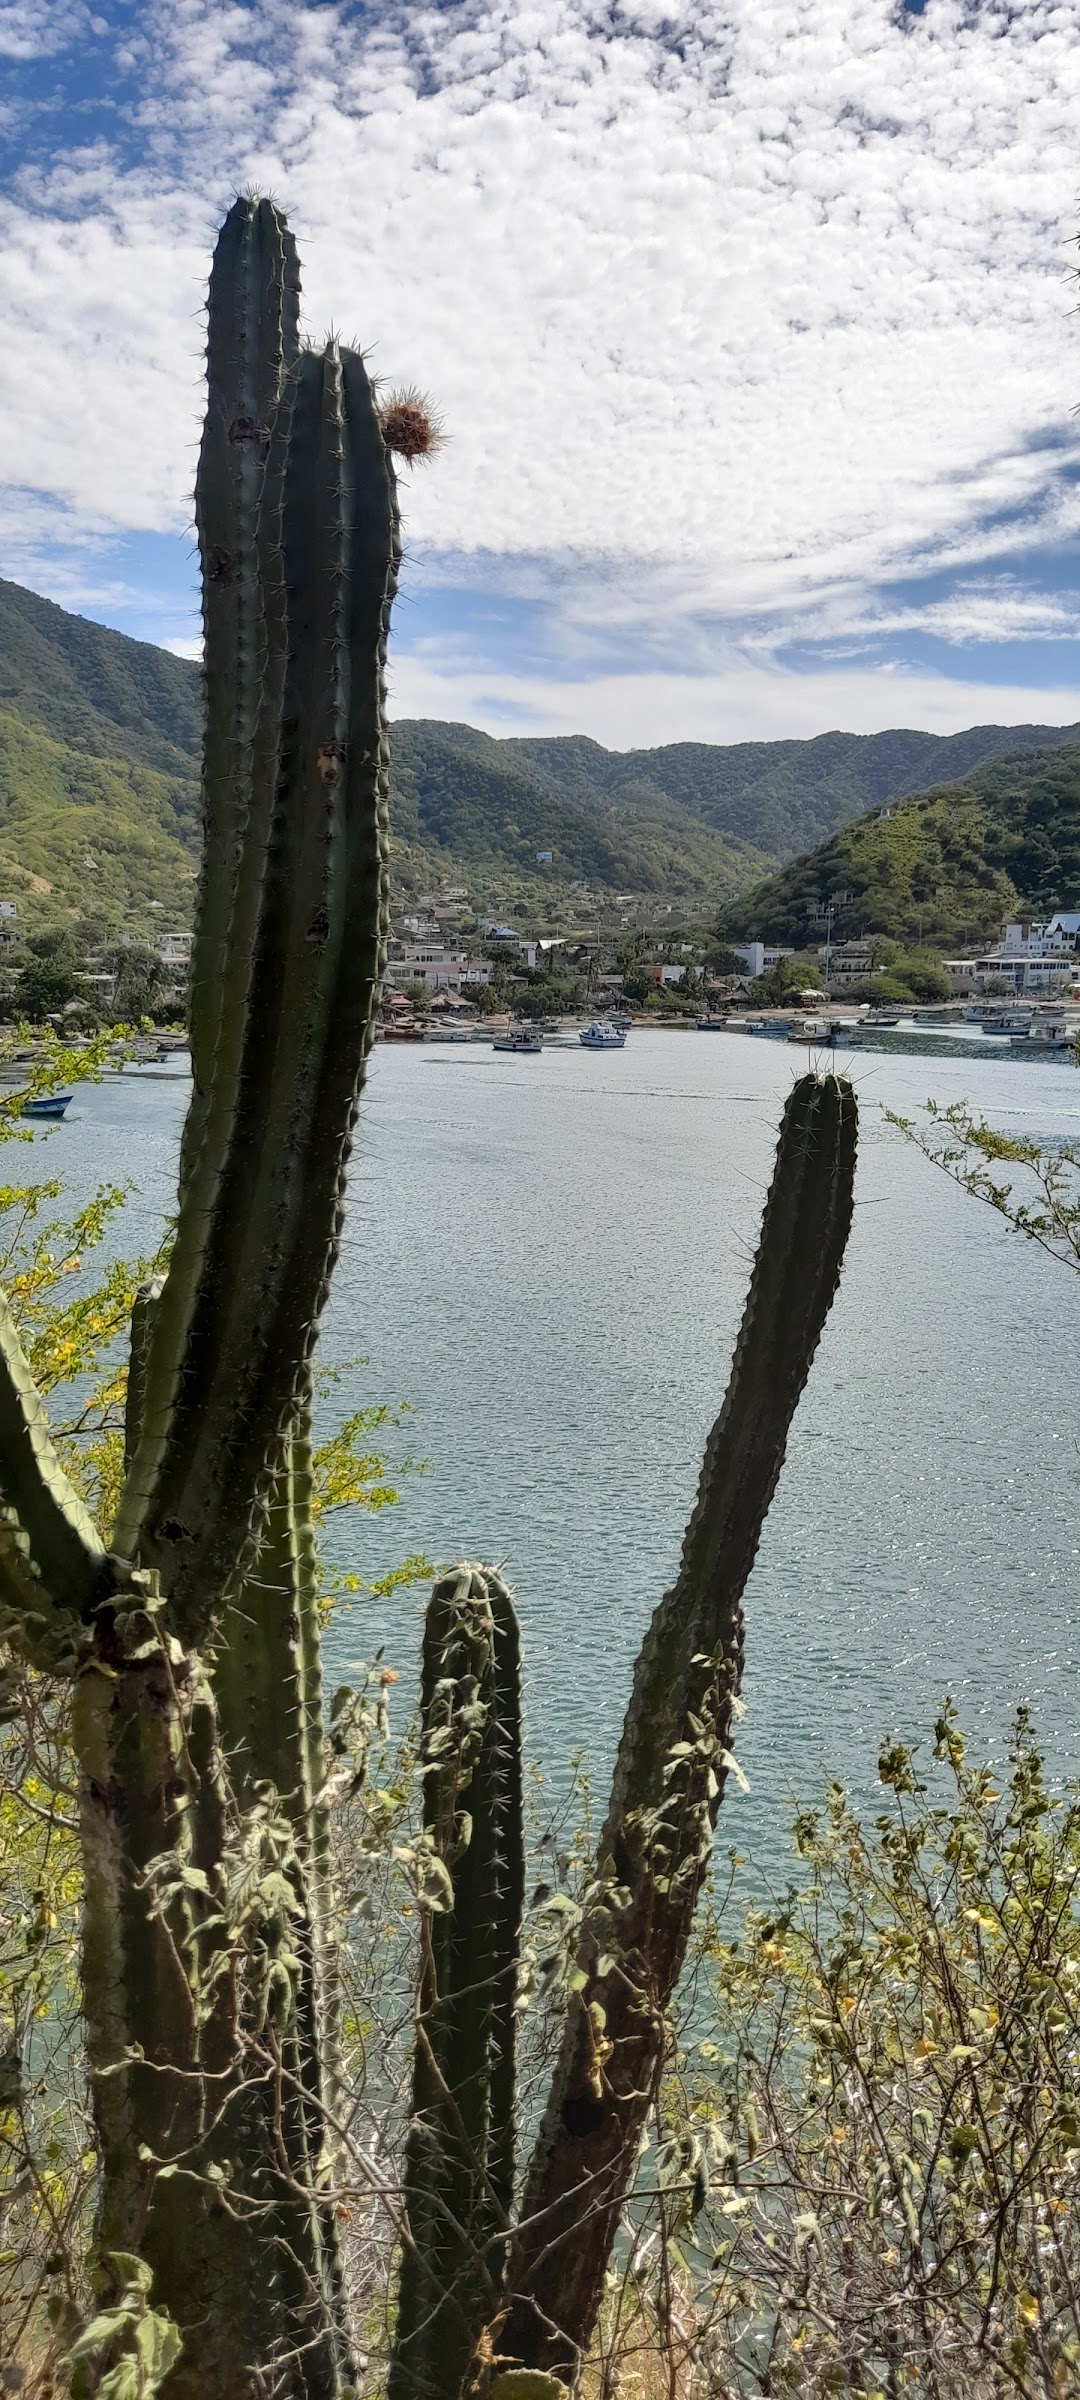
(753, 327)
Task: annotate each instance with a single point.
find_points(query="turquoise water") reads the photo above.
(548, 1257)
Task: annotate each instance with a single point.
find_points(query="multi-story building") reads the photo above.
(432, 963)
(1033, 960)
(758, 957)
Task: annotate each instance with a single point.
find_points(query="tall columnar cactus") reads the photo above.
(534, 2302)
(192, 1639)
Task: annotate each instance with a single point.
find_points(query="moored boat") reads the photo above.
(522, 1041)
(602, 1037)
(51, 1104)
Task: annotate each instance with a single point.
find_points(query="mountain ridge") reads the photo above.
(699, 822)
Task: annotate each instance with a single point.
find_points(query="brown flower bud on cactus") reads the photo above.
(412, 428)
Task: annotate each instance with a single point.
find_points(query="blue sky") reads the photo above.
(753, 327)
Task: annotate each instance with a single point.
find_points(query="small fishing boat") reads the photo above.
(522, 1041)
(602, 1037)
(51, 1104)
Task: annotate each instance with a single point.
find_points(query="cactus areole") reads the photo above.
(191, 1641)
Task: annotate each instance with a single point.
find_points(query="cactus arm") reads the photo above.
(252, 343)
(459, 2161)
(234, 1379)
(669, 1776)
(251, 353)
(48, 1526)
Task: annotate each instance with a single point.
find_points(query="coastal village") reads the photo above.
(455, 975)
(459, 974)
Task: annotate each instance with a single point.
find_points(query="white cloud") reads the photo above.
(35, 29)
(751, 306)
(744, 703)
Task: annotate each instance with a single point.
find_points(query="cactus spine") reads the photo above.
(652, 1858)
(193, 1639)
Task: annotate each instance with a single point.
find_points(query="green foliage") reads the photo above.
(140, 981)
(1034, 1186)
(127, 2350)
(783, 982)
(48, 979)
(877, 2144)
(948, 866)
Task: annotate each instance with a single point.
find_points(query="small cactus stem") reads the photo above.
(142, 1327)
(459, 2169)
(669, 1777)
(252, 343)
(226, 1389)
(53, 1564)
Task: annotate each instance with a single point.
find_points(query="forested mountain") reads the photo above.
(783, 797)
(99, 762)
(945, 868)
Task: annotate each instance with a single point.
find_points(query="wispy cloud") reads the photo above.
(741, 310)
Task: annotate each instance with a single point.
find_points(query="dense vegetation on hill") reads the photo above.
(945, 868)
(109, 727)
(95, 690)
(782, 797)
(465, 794)
(102, 838)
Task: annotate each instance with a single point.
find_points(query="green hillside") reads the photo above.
(100, 724)
(469, 799)
(95, 837)
(782, 797)
(945, 868)
(96, 690)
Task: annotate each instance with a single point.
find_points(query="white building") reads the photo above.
(431, 963)
(1038, 961)
(758, 957)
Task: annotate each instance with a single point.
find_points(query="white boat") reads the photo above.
(602, 1037)
(1007, 1020)
(825, 1033)
(1051, 1033)
(522, 1041)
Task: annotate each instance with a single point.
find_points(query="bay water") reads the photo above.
(547, 1259)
